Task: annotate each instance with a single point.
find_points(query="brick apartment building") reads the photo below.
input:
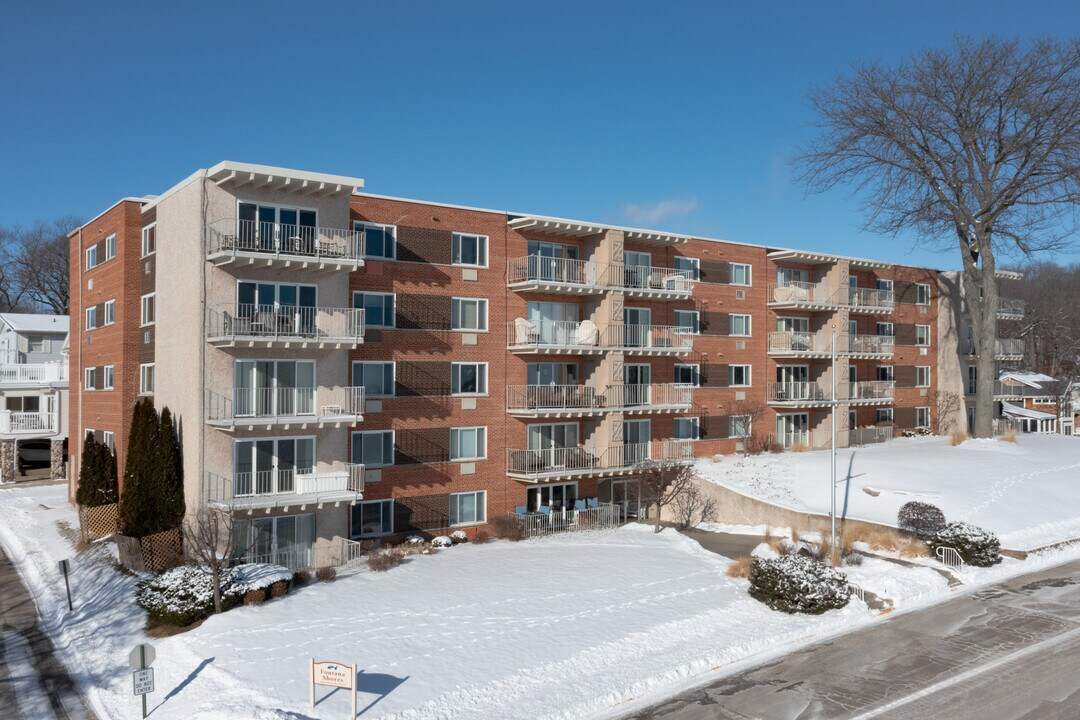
(346, 365)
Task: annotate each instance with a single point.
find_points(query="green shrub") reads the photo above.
(185, 595)
(796, 584)
(920, 518)
(976, 546)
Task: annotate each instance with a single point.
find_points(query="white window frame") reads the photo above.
(108, 381)
(108, 439)
(891, 373)
(92, 257)
(146, 232)
(925, 410)
(482, 244)
(35, 343)
(479, 502)
(152, 297)
(110, 312)
(748, 426)
(693, 329)
(922, 344)
(393, 450)
(887, 414)
(393, 314)
(147, 370)
(749, 375)
(91, 318)
(694, 266)
(481, 434)
(455, 379)
(695, 368)
(749, 274)
(358, 381)
(749, 325)
(110, 247)
(362, 225)
(89, 378)
(919, 292)
(383, 532)
(879, 325)
(695, 424)
(460, 301)
(926, 369)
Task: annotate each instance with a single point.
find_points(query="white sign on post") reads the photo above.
(144, 681)
(142, 656)
(332, 674)
(143, 678)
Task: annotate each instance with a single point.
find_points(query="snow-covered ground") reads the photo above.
(590, 625)
(1028, 493)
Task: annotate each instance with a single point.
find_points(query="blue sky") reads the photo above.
(677, 115)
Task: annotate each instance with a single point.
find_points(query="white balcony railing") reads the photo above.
(553, 334)
(871, 299)
(272, 323)
(795, 293)
(798, 342)
(868, 390)
(271, 488)
(27, 423)
(33, 373)
(797, 392)
(867, 344)
(579, 460)
(652, 279)
(1010, 307)
(645, 396)
(650, 338)
(1009, 347)
(553, 398)
(284, 404)
(549, 271)
(1019, 390)
(234, 237)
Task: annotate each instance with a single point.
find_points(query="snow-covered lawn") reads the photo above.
(591, 625)
(1028, 493)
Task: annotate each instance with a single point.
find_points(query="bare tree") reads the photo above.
(756, 440)
(212, 542)
(948, 406)
(1050, 326)
(35, 268)
(663, 481)
(980, 144)
(693, 506)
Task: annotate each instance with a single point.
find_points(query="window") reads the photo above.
(922, 294)
(466, 249)
(972, 381)
(739, 426)
(468, 314)
(885, 373)
(377, 378)
(686, 428)
(886, 285)
(468, 508)
(885, 329)
(378, 308)
(148, 314)
(740, 274)
(789, 276)
(739, 325)
(884, 415)
(91, 318)
(922, 335)
(468, 378)
(922, 417)
(91, 257)
(110, 247)
(922, 376)
(110, 312)
(373, 448)
(688, 375)
(373, 518)
(149, 239)
(146, 379)
(107, 438)
(90, 378)
(468, 443)
(380, 241)
(36, 343)
(110, 377)
(687, 320)
(739, 376)
(690, 266)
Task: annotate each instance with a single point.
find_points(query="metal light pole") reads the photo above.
(832, 450)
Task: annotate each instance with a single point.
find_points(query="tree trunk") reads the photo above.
(981, 294)
(659, 509)
(215, 576)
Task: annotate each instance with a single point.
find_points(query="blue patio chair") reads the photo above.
(545, 510)
(579, 504)
(593, 502)
(521, 509)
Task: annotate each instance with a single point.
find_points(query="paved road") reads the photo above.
(1007, 652)
(34, 685)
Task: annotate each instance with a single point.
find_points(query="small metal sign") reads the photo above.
(142, 656)
(65, 568)
(144, 681)
(336, 675)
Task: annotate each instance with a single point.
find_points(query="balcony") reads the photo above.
(28, 424)
(585, 401)
(799, 344)
(266, 244)
(652, 282)
(1010, 309)
(870, 301)
(557, 463)
(807, 296)
(1005, 349)
(34, 374)
(648, 339)
(534, 273)
(567, 337)
(1019, 391)
(284, 326)
(285, 407)
(799, 394)
(866, 346)
(872, 392)
(342, 482)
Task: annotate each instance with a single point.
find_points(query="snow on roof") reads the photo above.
(1016, 411)
(1031, 379)
(30, 322)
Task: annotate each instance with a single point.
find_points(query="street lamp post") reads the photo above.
(832, 451)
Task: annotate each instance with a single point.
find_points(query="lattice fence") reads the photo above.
(100, 521)
(154, 552)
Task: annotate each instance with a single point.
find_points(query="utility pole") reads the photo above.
(832, 450)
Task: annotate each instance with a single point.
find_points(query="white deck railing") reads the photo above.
(648, 337)
(646, 277)
(556, 271)
(232, 236)
(797, 391)
(553, 397)
(867, 344)
(794, 342)
(27, 423)
(31, 373)
(541, 524)
(284, 402)
(806, 293)
(1009, 346)
(567, 334)
(275, 487)
(269, 322)
(1012, 307)
(580, 460)
(867, 389)
(871, 298)
(869, 435)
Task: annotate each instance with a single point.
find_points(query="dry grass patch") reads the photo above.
(913, 547)
(800, 447)
(740, 568)
(958, 437)
(1009, 435)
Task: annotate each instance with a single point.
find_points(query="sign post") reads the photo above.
(336, 675)
(65, 566)
(140, 659)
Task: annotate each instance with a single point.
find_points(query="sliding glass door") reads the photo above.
(267, 388)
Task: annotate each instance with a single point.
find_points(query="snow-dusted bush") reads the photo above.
(384, 559)
(414, 540)
(796, 584)
(185, 594)
(441, 542)
(976, 546)
(920, 518)
(916, 432)
(459, 536)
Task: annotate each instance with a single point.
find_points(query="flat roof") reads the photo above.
(35, 322)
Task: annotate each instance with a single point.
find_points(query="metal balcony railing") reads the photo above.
(1020, 390)
(271, 488)
(1010, 307)
(652, 279)
(644, 396)
(33, 373)
(796, 293)
(552, 334)
(796, 392)
(579, 460)
(553, 398)
(27, 423)
(798, 342)
(793, 439)
(283, 404)
(285, 323)
(549, 271)
(232, 237)
(867, 390)
(651, 338)
(870, 299)
(867, 344)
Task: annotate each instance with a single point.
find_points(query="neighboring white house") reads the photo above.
(1029, 401)
(33, 391)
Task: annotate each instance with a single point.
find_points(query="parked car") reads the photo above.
(34, 453)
